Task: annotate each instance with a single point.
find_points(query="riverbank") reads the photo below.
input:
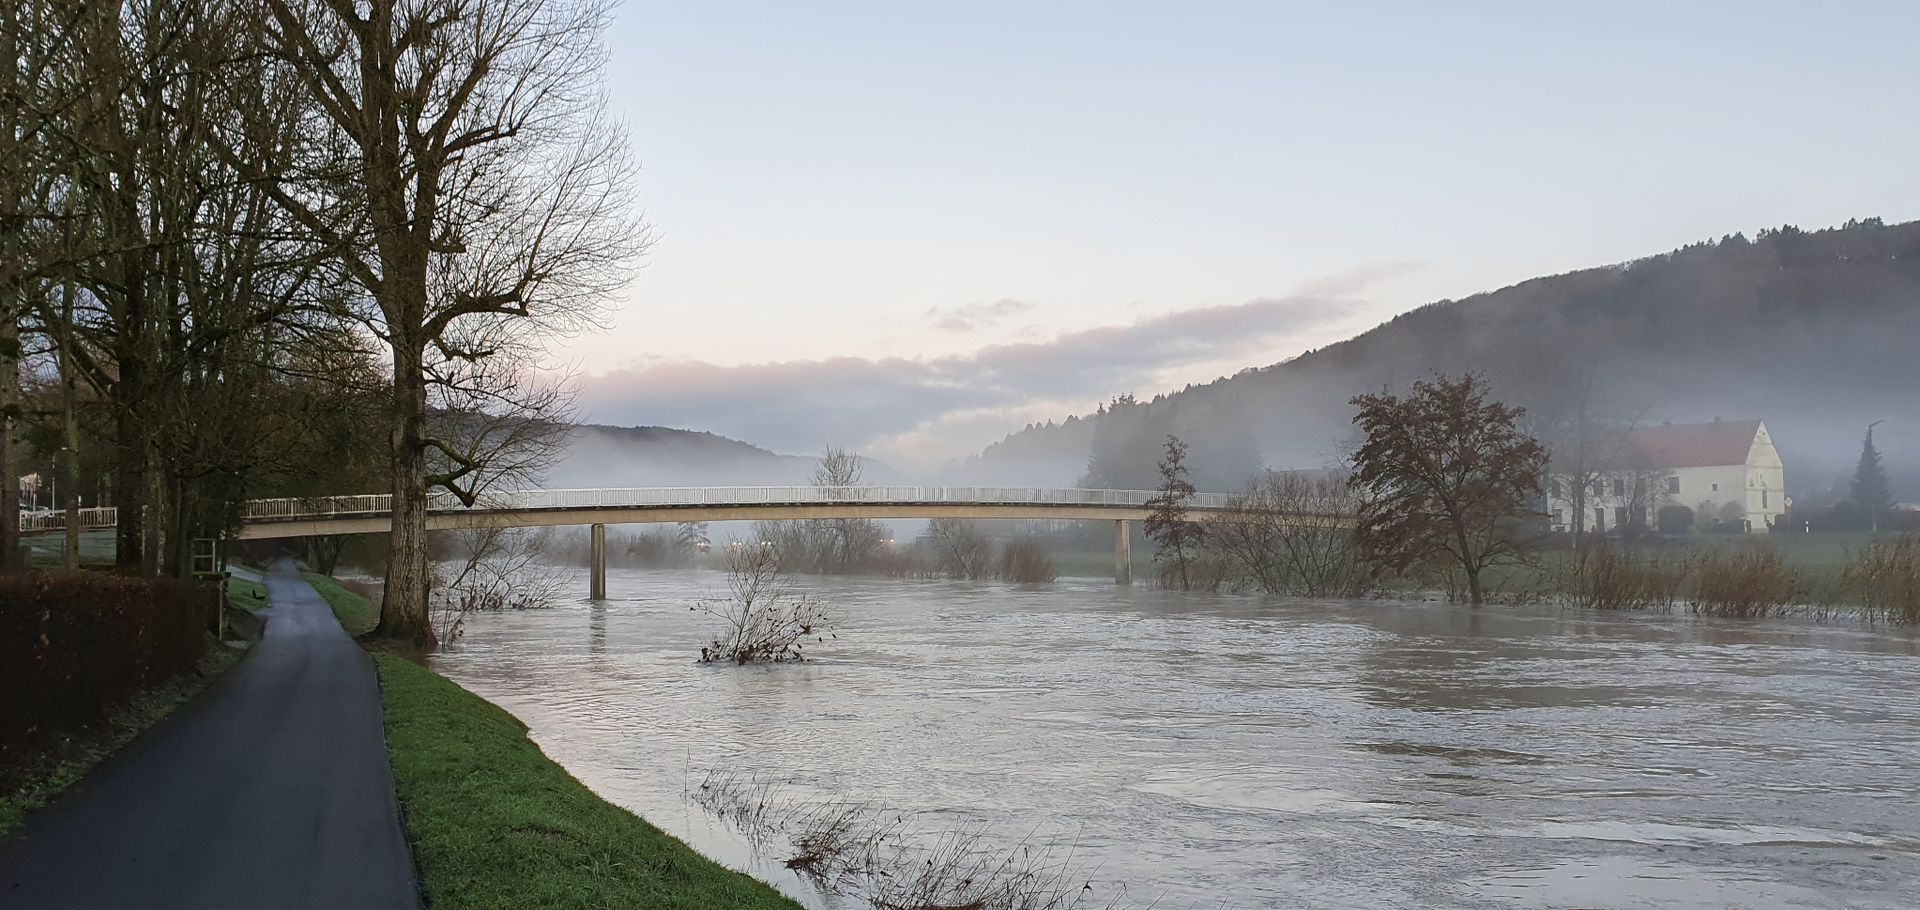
(495, 823)
(356, 615)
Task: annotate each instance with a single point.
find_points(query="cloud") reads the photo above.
(920, 409)
(972, 317)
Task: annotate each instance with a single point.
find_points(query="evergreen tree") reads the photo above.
(1870, 490)
(1176, 539)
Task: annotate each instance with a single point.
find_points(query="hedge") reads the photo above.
(76, 647)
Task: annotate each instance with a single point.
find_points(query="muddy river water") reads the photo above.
(1209, 751)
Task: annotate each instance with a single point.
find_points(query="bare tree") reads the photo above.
(462, 172)
(958, 549)
(846, 543)
(1292, 532)
(1446, 478)
(1025, 560)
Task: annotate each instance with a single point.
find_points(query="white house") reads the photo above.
(1723, 472)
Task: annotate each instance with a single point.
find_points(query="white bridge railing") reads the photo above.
(90, 519)
(302, 508)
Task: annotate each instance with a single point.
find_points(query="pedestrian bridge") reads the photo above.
(265, 519)
(271, 518)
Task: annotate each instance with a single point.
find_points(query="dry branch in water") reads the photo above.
(856, 850)
(495, 569)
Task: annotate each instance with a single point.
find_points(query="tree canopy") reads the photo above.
(1446, 478)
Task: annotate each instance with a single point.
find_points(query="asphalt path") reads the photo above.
(271, 789)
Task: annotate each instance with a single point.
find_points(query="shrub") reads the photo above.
(1026, 560)
(76, 647)
(959, 550)
(764, 618)
(1746, 581)
(1607, 576)
(1885, 579)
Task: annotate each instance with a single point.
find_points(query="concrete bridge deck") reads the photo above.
(267, 519)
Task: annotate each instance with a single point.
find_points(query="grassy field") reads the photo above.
(356, 615)
(60, 769)
(496, 824)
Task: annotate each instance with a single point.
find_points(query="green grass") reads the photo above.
(247, 595)
(497, 824)
(58, 769)
(356, 615)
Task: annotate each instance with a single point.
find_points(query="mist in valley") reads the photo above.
(1809, 331)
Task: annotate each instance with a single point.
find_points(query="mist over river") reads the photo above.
(1208, 751)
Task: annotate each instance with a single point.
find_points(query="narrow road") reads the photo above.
(272, 789)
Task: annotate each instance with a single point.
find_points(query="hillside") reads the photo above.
(1815, 332)
(606, 456)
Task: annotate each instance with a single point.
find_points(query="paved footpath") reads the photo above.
(271, 789)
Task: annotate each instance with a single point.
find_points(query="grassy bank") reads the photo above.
(356, 615)
(246, 595)
(497, 824)
(62, 766)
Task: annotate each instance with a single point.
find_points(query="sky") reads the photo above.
(911, 228)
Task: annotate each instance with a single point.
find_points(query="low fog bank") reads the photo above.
(604, 457)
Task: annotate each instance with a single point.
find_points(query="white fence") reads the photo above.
(271, 510)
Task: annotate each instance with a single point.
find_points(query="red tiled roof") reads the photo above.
(1693, 445)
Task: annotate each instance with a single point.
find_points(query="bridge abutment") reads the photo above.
(597, 586)
(1122, 553)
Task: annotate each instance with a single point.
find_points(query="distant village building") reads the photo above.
(1723, 475)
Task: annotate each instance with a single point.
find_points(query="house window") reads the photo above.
(1673, 484)
(1557, 494)
(1763, 498)
(1619, 487)
(1619, 516)
(1599, 519)
(1716, 488)
(1559, 516)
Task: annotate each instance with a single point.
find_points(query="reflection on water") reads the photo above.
(1272, 753)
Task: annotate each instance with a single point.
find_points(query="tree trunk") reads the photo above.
(70, 431)
(130, 466)
(323, 553)
(403, 607)
(1474, 596)
(9, 478)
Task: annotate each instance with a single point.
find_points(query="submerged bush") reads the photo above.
(1025, 560)
(763, 618)
(889, 861)
(1608, 576)
(1885, 579)
(1747, 581)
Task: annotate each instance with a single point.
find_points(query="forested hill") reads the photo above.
(598, 456)
(1817, 332)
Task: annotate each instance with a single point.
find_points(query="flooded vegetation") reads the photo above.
(1201, 750)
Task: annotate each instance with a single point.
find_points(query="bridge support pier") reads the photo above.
(1122, 553)
(597, 586)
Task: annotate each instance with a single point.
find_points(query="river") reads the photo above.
(1210, 751)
